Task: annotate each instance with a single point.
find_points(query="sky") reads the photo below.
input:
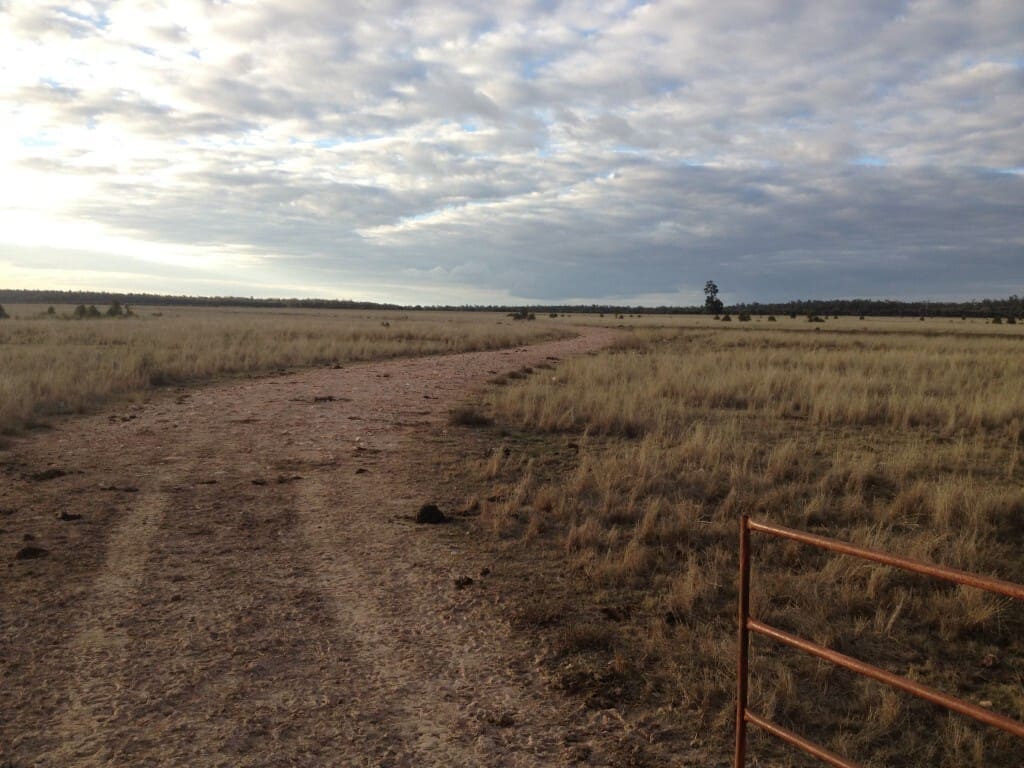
(514, 152)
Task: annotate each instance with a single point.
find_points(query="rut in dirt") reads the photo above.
(245, 585)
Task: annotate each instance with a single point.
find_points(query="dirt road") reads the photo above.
(245, 586)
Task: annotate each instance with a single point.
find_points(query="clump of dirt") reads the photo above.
(31, 552)
(47, 474)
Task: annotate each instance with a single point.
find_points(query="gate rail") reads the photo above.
(745, 716)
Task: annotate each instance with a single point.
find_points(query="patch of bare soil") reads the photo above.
(234, 576)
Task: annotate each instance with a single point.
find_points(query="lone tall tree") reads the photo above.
(712, 303)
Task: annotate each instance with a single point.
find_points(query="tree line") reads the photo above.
(1012, 306)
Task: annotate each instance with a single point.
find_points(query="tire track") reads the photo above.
(100, 645)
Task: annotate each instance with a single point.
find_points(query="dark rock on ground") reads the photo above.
(463, 581)
(31, 552)
(66, 516)
(429, 514)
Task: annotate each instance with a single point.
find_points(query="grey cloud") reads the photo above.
(75, 105)
(875, 223)
(49, 20)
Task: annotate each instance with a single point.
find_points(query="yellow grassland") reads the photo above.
(902, 439)
(50, 364)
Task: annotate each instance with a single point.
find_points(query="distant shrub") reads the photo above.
(744, 317)
(3, 313)
(727, 318)
(771, 318)
(792, 315)
(861, 317)
(522, 314)
(115, 309)
(1011, 320)
(997, 320)
(51, 311)
(553, 314)
(815, 319)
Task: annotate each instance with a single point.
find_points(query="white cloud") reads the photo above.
(534, 151)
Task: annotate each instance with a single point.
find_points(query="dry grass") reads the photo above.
(904, 442)
(52, 365)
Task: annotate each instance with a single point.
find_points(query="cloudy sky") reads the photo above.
(537, 151)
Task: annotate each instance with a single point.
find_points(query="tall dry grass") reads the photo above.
(906, 443)
(54, 365)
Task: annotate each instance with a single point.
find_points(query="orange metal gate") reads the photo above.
(745, 716)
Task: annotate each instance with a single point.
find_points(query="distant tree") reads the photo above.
(82, 311)
(712, 304)
(115, 309)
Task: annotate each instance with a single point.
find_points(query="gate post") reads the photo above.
(743, 644)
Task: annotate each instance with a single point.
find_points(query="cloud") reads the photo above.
(533, 151)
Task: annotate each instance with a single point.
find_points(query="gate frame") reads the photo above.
(747, 625)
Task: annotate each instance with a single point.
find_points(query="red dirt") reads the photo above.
(236, 594)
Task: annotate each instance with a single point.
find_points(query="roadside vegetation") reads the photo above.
(617, 481)
(70, 359)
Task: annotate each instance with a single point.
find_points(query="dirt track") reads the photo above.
(238, 593)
